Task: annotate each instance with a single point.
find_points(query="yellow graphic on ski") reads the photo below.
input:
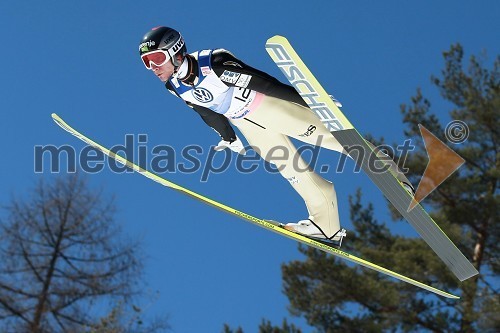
(306, 84)
(339, 126)
(267, 224)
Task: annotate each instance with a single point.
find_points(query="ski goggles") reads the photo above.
(157, 58)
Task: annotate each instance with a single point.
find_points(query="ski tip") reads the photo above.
(276, 39)
(56, 118)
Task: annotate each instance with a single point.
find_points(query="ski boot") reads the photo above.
(309, 229)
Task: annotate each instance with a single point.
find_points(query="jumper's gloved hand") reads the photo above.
(336, 101)
(236, 146)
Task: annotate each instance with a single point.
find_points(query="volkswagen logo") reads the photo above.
(202, 95)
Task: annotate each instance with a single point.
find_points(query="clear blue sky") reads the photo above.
(79, 59)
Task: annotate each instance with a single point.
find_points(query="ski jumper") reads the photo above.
(225, 91)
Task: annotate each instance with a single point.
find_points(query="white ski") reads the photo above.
(339, 126)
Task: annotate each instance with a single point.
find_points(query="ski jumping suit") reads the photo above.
(225, 91)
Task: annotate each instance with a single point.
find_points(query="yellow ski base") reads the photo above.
(318, 100)
(270, 225)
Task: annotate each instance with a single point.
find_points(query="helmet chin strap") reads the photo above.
(187, 70)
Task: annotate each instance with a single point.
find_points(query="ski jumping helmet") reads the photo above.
(165, 39)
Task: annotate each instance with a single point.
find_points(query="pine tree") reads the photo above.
(266, 327)
(336, 297)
